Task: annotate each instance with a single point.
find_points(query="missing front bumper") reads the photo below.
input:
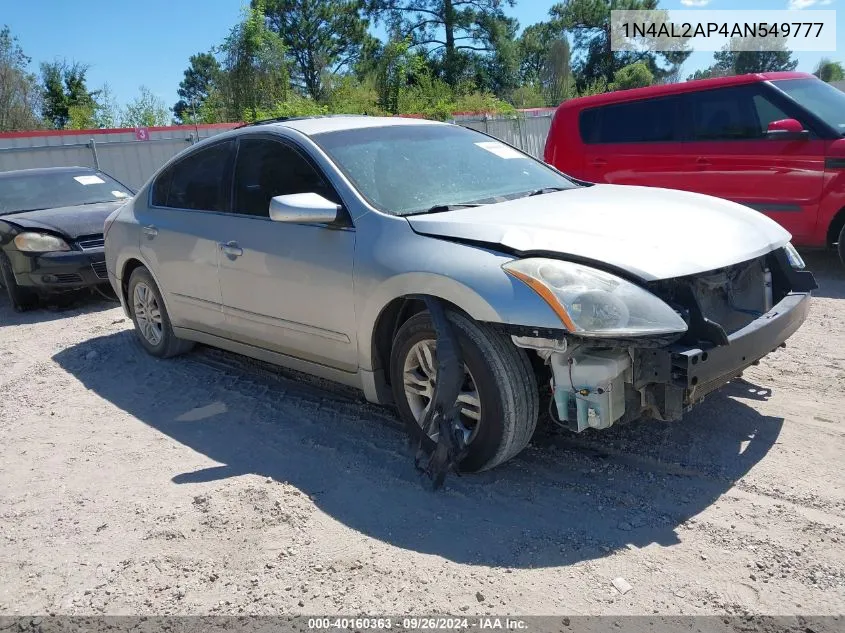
(595, 388)
(699, 371)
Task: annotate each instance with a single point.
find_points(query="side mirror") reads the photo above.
(785, 129)
(303, 208)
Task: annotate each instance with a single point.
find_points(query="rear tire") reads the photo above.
(502, 376)
(21, 299)
(841, 246)
(152, 323)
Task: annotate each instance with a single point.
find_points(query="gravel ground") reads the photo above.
(209, 484)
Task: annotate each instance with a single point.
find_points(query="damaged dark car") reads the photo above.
(51, 231)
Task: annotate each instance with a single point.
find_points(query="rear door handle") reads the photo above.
(702, 162)
(231, 249)
(150, 231)
(599, 162)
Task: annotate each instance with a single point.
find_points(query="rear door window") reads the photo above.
(200, 181)
(647, 121)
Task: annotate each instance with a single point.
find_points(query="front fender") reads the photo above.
(470, 277)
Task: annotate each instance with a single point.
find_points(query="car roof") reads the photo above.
(334, 123)
(44, 171)
(694, 85)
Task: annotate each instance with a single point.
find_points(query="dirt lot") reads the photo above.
(209, 484)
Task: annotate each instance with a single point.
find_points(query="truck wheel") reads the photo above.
(499, 397)
(21, 298)
(152, 323)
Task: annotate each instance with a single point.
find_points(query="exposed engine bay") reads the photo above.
(734, 316)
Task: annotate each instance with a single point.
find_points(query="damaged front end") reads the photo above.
(621, 358)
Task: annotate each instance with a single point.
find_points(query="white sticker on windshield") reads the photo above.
(500, 149)
(119, 194)
(89, 180)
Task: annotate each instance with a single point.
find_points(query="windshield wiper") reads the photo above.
(442, 208)
(540, 192)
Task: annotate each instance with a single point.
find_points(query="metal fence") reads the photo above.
(528, 133)
(132, 156)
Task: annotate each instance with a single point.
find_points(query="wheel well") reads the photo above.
(395, 313)
(128, 268)
(391, 318)
(835, 227)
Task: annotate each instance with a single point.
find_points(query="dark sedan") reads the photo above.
(51, 230)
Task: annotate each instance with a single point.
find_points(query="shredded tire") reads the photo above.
(504, 378)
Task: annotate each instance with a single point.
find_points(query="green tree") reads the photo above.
(545, 61)
(829, 70)
(101, 113)
(527, 96)
(589, 23)
(637, 75)
(498, 69)
(107, 113)
(396, 65)
(19, 92)
(201, 77)
(348, 94)
(533, 45)
(64, 87)
(254, 67)
(451, 29)
(556, 74)
(146, 110)
(743, 56)
(320, 37)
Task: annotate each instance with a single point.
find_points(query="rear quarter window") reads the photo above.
(646, 121)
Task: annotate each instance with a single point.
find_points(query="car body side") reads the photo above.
(391, 265)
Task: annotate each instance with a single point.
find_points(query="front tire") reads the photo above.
(20, 298)
(499, 399)
(152, 323)
(841, 246)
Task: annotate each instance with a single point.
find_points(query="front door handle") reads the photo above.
(599, 162)
(231, 249)
(702, 162)
(150, 231)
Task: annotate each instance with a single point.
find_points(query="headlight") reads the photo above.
(794, 258)
(591, 302)
(40, 243)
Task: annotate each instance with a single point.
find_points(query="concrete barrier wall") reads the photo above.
(132, 156)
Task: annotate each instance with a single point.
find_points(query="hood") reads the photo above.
(651, 233)
(72, 222)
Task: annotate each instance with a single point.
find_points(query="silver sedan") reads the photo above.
(315, 243)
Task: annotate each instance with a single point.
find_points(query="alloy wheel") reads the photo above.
(147, 313)
(419, 379)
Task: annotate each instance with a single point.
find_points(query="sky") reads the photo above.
(128, 43)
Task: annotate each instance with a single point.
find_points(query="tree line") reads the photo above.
(301, 57)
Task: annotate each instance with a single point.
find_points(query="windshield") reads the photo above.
(48, 190)
(406, 169)
(820, 98)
